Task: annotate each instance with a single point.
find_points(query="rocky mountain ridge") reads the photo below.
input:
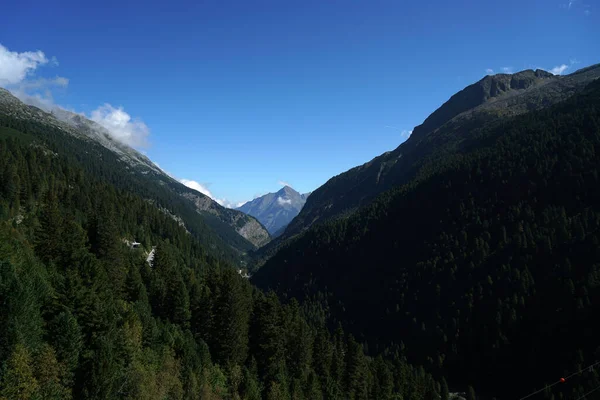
(228, 222)
(492, 97)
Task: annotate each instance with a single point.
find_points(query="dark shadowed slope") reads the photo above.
(493, 97)
(485, 264)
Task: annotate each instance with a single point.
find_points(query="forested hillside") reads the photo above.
(485, 266)
(493, 98)
(226, 233)
(85, 316)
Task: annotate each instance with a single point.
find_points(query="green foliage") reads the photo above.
(18, 381)
(83, 315)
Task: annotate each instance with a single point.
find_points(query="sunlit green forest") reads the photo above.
(85, 316)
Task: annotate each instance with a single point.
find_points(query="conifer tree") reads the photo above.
(18, 380)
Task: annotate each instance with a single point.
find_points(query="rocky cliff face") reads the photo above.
(246, 226)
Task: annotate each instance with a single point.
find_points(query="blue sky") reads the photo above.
(240, 96)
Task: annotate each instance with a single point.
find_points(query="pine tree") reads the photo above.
(231, 319)
(267, 338)
(49, 375)
(66, 336)
(49, 234)
(18, 380)
(445, 393)
(356, 375)
(471, 393)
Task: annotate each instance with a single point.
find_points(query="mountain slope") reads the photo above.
(85, 315)
(485, 264)
(92, 144)
(493, 97)
(275, 210)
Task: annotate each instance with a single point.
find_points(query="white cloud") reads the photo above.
(284, 183)
(281, 201)
(204, 190)
(405, 134)
(562, 68)
(489, 71)
(558, 70)
(121, 126)
(17, 72)
(197, 186)
(507, 70)
(42, 83)
(38, 92)
(15, 67)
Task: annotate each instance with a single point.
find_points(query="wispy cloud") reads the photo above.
(15, 66)
(202, 188)
(283, 183)
(577, 6)
(18, 74)
(558, 70)
(121, 126)
(282, 202)
(562, 68)
(40, 83)
(197, 186)
(404, 133)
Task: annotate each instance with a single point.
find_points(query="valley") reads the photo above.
(463, 263)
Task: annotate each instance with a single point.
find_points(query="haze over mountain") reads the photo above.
(276, 210)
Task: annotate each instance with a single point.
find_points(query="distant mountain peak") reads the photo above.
(275, 210)
(287, 189)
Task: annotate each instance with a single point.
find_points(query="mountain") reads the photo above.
(275, 210)
(481, 259)
(87, 314)
(493, 97)
(89, 141)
